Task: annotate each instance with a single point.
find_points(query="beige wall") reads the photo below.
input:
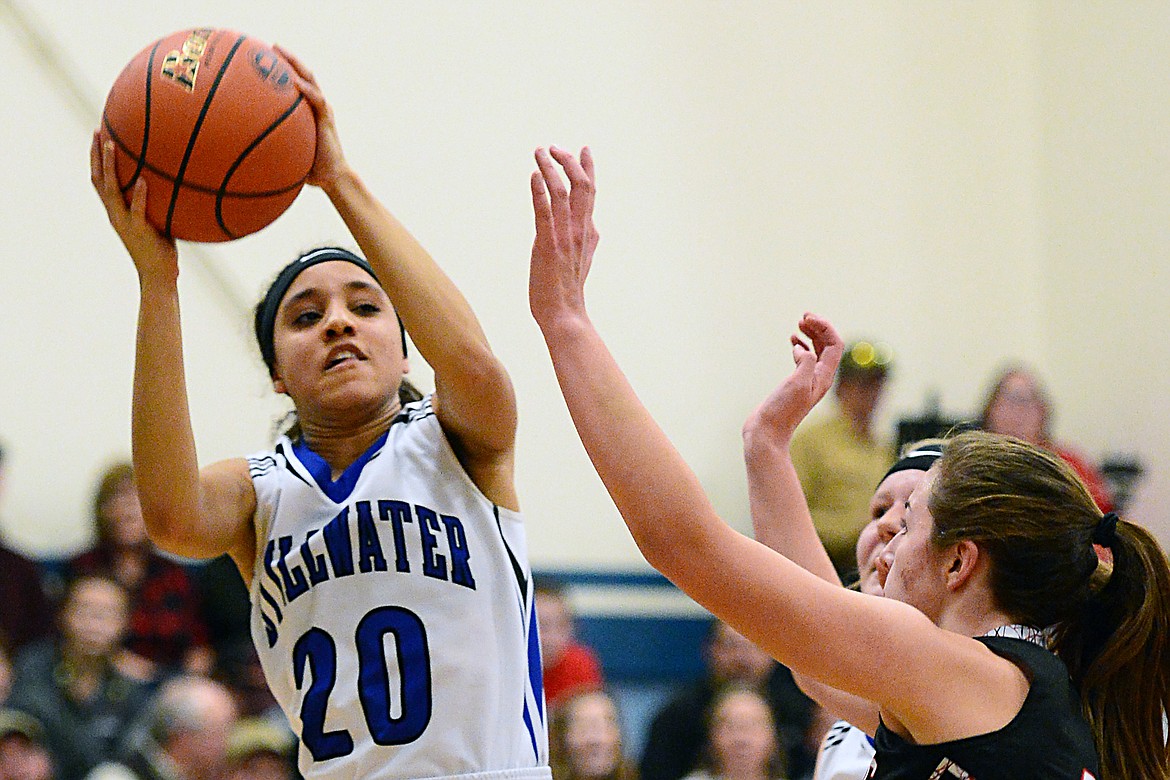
(969, 182)
(1106, 231)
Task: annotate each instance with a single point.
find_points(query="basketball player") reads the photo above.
(392, 601)
(999, 533)
(846, 752)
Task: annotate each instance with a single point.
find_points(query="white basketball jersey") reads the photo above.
(393, 613)
(846, 754)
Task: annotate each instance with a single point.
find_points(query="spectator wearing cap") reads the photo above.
(840, 458)
(259, 749)
(23, 755)
(184, 735)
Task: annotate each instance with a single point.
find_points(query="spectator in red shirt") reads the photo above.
(166, 622)
(1018, 405)
(569, 665)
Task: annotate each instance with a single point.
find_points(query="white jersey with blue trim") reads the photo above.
(393, 613)
(846, 754)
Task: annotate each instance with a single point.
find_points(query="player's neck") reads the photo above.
(339, 447)
(973, 615)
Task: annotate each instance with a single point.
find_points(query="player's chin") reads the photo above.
(351, 396)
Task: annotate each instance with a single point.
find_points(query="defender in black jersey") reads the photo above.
(998, 533)
(1047, 740)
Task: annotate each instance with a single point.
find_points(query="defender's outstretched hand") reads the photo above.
(151, 250)
(562, 251)
(794, 398)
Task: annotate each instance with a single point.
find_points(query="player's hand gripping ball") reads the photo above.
(215, 123)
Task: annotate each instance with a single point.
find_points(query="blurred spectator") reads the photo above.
(73, 686)
(840, 458)
(679, 729)
(249, 687)
(1018, 405)
(7, 674)
(26, 615)
(258, 749)
(23, 755)
(166, 622)
(585, 739)
(741, 738)
(569, 666)
(184, 736)
(227, 610)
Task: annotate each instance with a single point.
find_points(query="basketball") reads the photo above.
(215, 123)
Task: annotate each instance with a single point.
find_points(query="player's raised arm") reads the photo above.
(796, 616)
(644, 474)
(780, 515)
(474, 395)
(656, 492)
(182, 515)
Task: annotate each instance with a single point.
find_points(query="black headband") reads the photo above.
(919, 459)
(266, 319)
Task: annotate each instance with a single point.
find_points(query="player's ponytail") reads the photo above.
(1111, 627)
(1118, 654)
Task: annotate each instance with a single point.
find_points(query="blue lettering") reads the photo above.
(336, 533)
(315, 564)
(369, 547)
(457, 545)
(434, 564)
(294, 579)
(397, 512)
(332, 554)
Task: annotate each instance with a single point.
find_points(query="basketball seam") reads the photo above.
(227, 61)
(199, 187)
(222, 191)
(140, 162)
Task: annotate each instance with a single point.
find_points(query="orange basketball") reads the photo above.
(215, 123)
